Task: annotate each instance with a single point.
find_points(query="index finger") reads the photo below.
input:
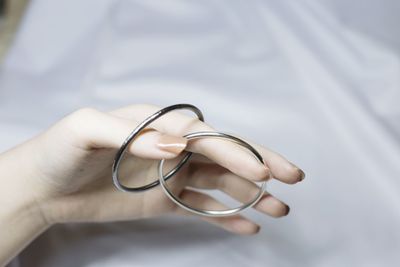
(226, 154)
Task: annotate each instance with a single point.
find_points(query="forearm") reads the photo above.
(21, 220)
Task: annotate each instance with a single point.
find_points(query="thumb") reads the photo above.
(102, 130)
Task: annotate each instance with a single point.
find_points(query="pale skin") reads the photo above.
(63, 175)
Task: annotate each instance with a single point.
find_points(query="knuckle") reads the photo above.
(81, 115)
(77, 123)
(84, 112)
(200, 125)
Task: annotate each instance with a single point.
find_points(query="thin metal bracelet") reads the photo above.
(135, 133)
(213, 213)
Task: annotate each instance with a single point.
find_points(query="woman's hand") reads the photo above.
(64, 174)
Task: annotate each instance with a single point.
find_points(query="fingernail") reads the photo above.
(287, 210)
(244, 227)
(302, 175)
(172, 144)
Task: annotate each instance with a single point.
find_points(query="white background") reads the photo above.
(318, 81)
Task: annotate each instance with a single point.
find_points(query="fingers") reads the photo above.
(212, 176)
(236, 224)
(281, 169)
(224, 153)
(102, 130)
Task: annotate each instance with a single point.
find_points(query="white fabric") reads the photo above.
(317, 81)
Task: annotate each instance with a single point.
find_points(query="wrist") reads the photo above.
(21, 191)
(21, 217)
(20, 224)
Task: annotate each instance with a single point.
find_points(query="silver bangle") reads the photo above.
(213, 213)
(135, 133)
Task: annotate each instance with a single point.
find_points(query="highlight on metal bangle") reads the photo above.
(213, 213)
(135, 133)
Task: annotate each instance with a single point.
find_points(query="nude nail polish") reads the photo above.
(172, 144)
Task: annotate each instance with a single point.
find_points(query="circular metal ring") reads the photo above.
(213, 213)
(135, 133)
